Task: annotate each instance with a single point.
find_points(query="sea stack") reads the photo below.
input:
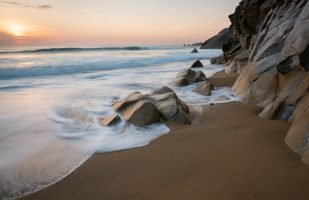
(194, 50)
(197, 64)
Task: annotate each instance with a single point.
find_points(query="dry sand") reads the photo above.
(230, 155)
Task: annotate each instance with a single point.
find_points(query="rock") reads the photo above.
(198, 76)
(194, 50)
(162, 90)
(110, 120)
(204, 88)
(268, 48)
(187, 73)
(181, 81)
(197, 64)
(170, 106)
(129, 100)
(142, 113)
(218, 40)
(188, 76)
(298, 135)
(160, 104)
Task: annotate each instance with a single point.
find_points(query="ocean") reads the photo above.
(51, 100)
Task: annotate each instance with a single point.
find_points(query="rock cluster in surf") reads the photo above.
(160, 105)
(269, 50)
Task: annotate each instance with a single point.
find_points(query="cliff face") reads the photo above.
(269, 49)
(217, 41)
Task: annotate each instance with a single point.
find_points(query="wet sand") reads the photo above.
(231, 154)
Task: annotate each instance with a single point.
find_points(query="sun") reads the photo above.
(17, 30)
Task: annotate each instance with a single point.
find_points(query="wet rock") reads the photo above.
(142, 113)
(160, 105)
(110, 120)
(162, 90)
(181, 81)
(198, 76)
(129, 100)
(189, 76)
(194, 50)
(204, 88)
(197, 64)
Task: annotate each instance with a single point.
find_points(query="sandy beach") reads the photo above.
(230, 154)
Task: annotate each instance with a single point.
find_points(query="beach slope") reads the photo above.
(230, 154)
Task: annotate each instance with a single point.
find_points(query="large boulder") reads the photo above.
(160, 105)
(142, 113)
(170, 106)
(204, 88)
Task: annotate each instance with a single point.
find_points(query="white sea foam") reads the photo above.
(50, 104)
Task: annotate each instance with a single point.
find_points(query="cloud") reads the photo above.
(44, 6)
(14, 3)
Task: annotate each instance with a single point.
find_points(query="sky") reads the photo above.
(111, 22)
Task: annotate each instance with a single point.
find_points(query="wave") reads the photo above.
(88, 66)
(77, 49)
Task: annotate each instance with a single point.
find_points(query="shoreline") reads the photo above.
(230, 154)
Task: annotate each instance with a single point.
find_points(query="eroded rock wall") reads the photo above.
(217, 41)
(269, 49)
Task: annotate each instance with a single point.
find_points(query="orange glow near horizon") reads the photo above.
(17, 30)
(121, 22)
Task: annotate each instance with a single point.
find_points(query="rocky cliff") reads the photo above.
(217, 41)
(269, 49)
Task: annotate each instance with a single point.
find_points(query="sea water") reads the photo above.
(51, 100)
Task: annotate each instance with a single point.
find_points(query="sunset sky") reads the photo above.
(111, 22)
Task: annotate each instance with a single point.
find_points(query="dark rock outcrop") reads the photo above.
(268, 48)
(217, 41)
(194, 50)
(160, 105)
(197, 64)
